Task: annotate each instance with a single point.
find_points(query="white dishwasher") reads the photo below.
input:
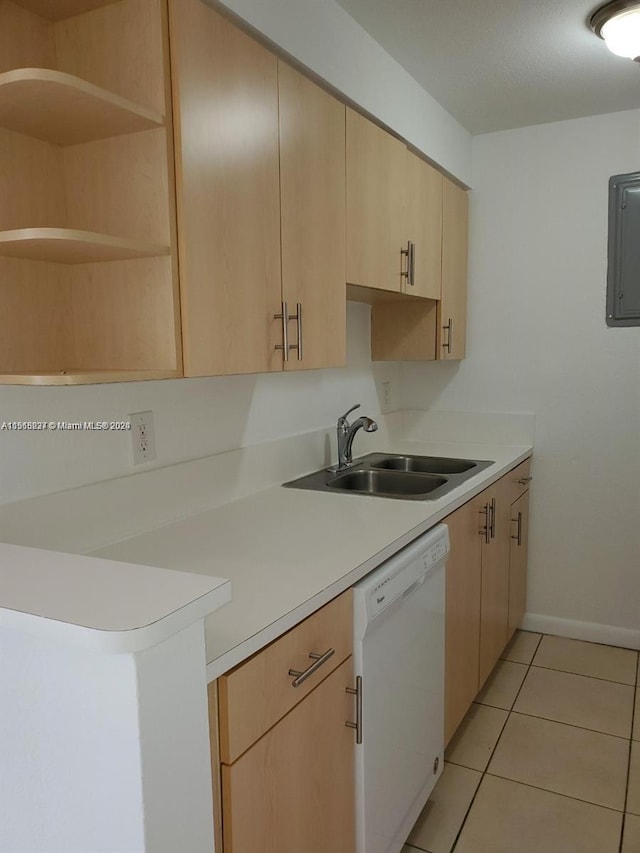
(399, 659)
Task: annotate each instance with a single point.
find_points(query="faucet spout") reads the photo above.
(346, 434)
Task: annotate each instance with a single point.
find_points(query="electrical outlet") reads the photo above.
(143, 438)
(385, 397)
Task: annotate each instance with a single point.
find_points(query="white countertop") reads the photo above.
(288, 551)
(79, 600)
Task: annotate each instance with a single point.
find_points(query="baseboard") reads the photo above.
(593, 632)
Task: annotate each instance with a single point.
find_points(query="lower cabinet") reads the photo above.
(284, 768)
(485, 588)
(462, 607)
(494, 597)
(293, 790)
(518, 561)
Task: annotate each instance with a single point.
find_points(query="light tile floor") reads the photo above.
(548, 758)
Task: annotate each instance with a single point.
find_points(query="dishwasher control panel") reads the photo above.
(406, 570)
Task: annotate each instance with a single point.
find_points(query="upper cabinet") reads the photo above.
(423, 218)
(452, 311)
(375, 205)
(312, 181)
(394, 214)
(434, 326)
(406, 247)
(139, 138)
(225, 89)
(88, 278)
(260, 181)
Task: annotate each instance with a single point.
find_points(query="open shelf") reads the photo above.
(84, 377)
(67, 246)
(58, 10)
(63, 109)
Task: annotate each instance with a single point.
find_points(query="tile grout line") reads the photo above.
(626, 790)
(582, 675)
(484, 772)
(571, 725)
(556, 793)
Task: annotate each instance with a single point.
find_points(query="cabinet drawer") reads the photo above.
(259, 692)
(518, 480)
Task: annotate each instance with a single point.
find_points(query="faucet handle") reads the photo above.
(352, 409)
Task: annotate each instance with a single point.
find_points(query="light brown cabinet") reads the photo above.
(260, 165)
(312, 186)
(494, 597)
(518, 561)
(452, 309)
(286, 757)
(394, 215)
(375, 177)
(294, 790)
(518, 480)
(423, 217)
(88, 272)
(485, 587)
(225, 93)
(257, 209)
(462, 623)
(433, 328)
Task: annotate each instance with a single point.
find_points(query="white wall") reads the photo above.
(537, 341)
(325, 38)
(193, 417)
(104, 752)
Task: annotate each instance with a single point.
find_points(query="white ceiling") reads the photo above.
(498, 64)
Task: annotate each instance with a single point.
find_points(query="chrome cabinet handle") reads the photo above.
(285, 346)
(298, 316)
(524, 480)
(486, 530)
(493, 518)
(410, 272)
(318, 661)
(407, 273)
(284, 316)
(448, 326)
(358, 694)
(518, 535)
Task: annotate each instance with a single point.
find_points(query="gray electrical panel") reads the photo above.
(623, 279)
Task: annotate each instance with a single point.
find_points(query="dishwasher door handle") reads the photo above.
(358, 694)
(414, 586)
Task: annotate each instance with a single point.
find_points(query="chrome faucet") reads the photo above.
(346, 434)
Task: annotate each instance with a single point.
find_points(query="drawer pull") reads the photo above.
(524, 480)
(318, 660)
(518, 536)
(492, 526)
(486, 529)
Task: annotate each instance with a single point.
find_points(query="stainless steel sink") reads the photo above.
(427, 464)
(387, 483)
(388, 475)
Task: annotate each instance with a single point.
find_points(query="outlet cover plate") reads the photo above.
(143, 438)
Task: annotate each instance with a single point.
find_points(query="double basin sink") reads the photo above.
(386, 475)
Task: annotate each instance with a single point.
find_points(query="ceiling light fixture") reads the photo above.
(618, 23)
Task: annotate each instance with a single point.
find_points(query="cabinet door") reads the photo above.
(225, 88)
(494, 601)
(462, 644)
(518, 561)
(293, 790)
(424, 226)
(376, 233)
(452, 325)
(312, 185)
